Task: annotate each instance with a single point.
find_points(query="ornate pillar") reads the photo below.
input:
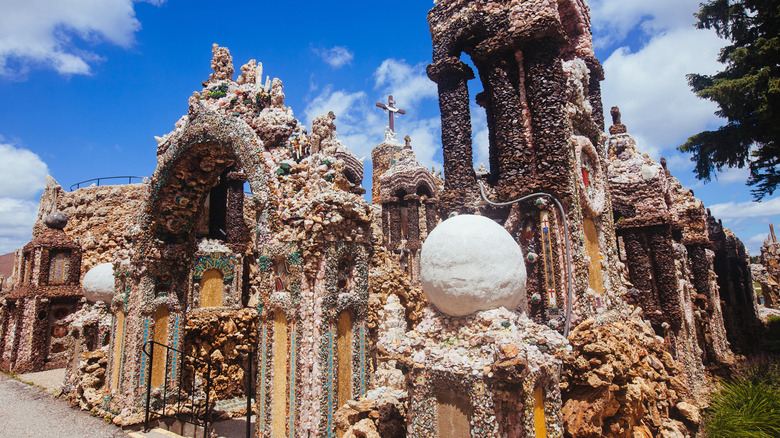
(509, 151)
(413, 243)
(386, 223)
(395, 223)
(431, 216)
(545, 89)
(413, 222)
(451, 76)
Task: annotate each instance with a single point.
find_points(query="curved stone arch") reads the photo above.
(224, 263)
(209, 144)
(409, 182)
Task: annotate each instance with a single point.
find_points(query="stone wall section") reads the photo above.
(100, 219)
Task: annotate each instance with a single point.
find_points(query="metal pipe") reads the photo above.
(569, 279)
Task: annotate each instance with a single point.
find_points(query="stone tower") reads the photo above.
(542, 100)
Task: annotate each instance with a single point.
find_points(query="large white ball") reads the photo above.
(470, 263)
(98, 284)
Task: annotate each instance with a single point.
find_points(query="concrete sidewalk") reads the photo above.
(30, 412)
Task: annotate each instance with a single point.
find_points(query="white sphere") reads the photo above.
(98, 284)
(470, 263)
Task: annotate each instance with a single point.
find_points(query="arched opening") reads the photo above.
(346, 269)
(453, 415)
(540, 422)
(160, 353)
(211, 288)
(574, 24)
(595, 279)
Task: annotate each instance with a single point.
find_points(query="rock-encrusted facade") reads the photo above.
(543, 103)
(665, 242)
(767, 272)
(100, 218)
(406, 191)
(252, 237)
(205, 253)
(35, 335)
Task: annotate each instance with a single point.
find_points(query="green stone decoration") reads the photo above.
(215, 261)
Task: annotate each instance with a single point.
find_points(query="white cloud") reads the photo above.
(22, 177)
(733, 175)
(40, 33)
(337, 57)
(17, 217)
(341, 102)
(479, 137)
(22, 173)
(737, 210)
(409, 84)
(614, 19)
(361, 125)
(651, 90)
(754, 243)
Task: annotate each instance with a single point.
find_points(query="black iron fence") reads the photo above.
(96, 181)
(185, 397)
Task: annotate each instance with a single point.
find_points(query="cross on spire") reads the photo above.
(391, 109)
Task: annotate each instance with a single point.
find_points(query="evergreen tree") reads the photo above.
(747, 92)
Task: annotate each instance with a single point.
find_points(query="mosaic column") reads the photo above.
(594, 89)
(545, 90)
(451, 76)
(386, 223)
(509, 151)
(413, 243)
(394, 207)
(431, 218)
(413, 221)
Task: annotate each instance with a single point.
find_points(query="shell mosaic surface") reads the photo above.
(248, 207)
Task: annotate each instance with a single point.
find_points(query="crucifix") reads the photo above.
(391, 109)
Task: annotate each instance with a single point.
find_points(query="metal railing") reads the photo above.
(172, 400)
(249, 375)
(97, 180)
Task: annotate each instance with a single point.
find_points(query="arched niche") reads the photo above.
(117, 348)
(344, 347)
(212, 288)
(280, 349)
(160, 336)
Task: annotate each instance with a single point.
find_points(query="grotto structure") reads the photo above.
(252, 244)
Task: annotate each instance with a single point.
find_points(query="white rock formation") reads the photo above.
(470, 263)
(98, 284)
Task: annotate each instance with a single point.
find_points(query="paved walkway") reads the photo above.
(29, 412)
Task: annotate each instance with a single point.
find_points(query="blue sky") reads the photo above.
(87, 85)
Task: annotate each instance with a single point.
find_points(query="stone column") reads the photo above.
(451, 76)
(395, 223)
(412, 222)
(545, 90)
(431, 216)
(234, 216)
(386, 224)
(508, 160)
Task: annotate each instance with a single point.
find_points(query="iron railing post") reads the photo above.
(250, 357)
(148, 383)
(208, 408)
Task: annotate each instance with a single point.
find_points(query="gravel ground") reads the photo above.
(29, 412)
